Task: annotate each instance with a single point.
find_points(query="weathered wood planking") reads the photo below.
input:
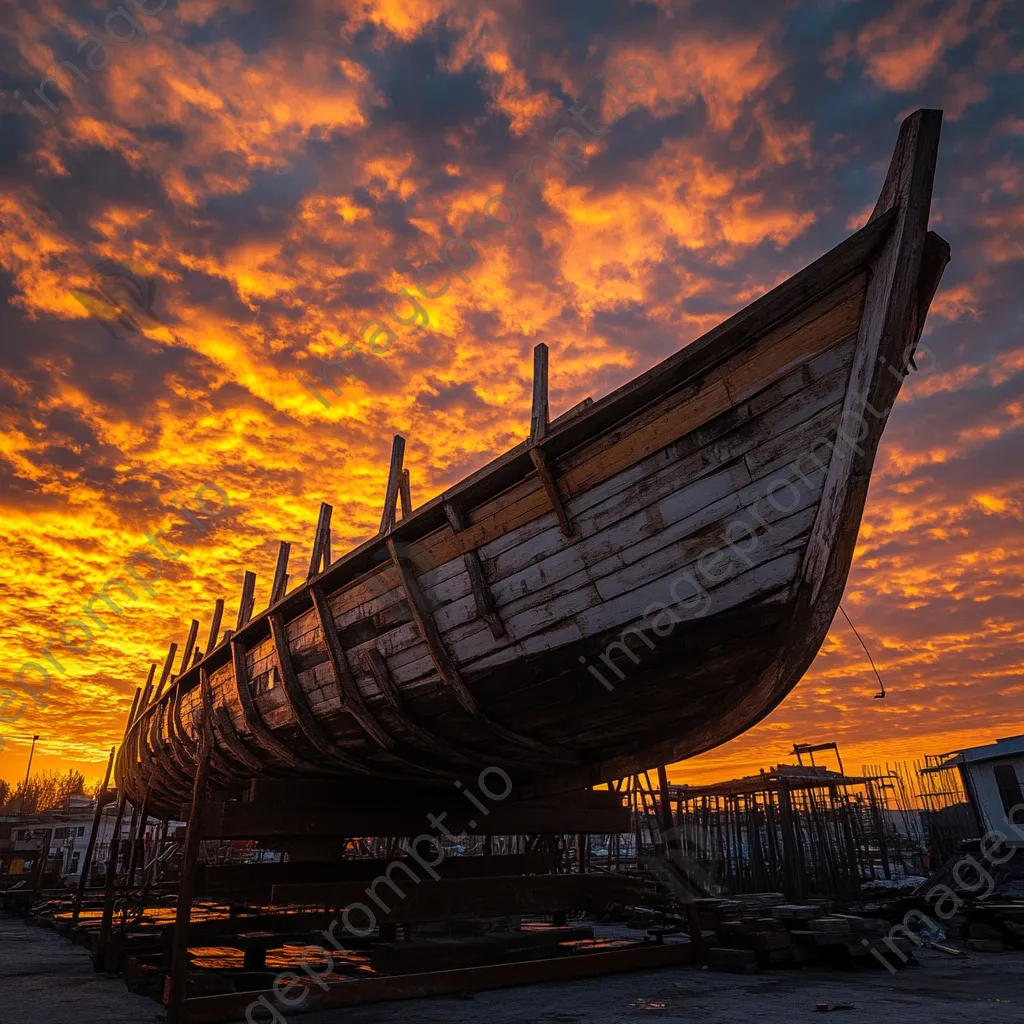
(463, 633)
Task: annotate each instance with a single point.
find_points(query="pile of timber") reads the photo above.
(994, 926)
(762, 930)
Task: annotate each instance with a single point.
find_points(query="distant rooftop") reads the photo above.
(1009, 746)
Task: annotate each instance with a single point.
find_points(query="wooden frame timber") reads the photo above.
(218, 615)
(449, 673)
(482, 595)
(280, 584)
(321, 553)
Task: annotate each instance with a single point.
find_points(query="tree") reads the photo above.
(46, 790)
(5, 793)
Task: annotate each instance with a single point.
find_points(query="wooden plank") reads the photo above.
(601, 572)
(449, 899)
(934, 259)
(167, 773)
(107, 916)
(227, 881)
(277, 590)
(552, 817)
(387, 519)
(571, 412)
(485, 604)
(208, 1009)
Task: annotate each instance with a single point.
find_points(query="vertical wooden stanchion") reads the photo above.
(190, 644)
(90, 849)
(248, 598)
(133, 857)
(177, 981)
(280, 583)
(387, 519)
(139, 838)
(39, 868)
(218, 614)
(670, 841)
(539, 416)
(107, 921)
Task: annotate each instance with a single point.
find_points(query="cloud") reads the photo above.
(283, 171)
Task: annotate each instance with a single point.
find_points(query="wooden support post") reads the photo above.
(218, 615)
(190, 643)
(245, 606)
(107, 920)
(387, 519)
(177, 982)
(277, 591)
(321, 554)
(672, 846)
(39, 868)
(406, 494)
(90, 849)
(539, 414)
(538, 430)
(137, 841)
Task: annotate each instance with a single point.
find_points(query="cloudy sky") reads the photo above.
(275, 173)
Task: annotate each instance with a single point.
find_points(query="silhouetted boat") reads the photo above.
(519, 619)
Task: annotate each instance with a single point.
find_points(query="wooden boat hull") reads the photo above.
(634, 585)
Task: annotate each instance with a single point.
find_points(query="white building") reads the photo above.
(69, 828)
(993, 778)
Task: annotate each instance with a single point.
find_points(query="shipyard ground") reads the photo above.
(46, 980)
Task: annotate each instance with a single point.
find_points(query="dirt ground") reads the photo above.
(46, 980)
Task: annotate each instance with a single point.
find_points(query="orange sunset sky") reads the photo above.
(278, 171)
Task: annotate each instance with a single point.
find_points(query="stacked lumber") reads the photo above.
(763, 931)
(996, 926)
